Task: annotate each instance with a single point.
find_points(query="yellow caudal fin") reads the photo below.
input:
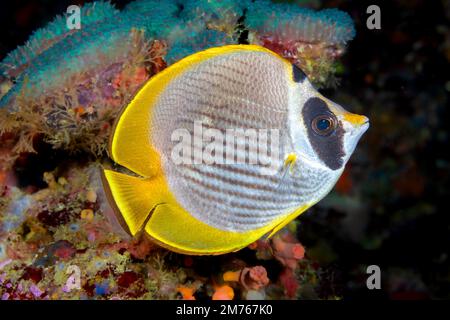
(133, 198)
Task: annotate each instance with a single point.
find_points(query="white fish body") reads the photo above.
(224, 203)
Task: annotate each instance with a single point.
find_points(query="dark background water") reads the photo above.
(391, 207)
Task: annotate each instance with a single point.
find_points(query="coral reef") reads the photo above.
(59, 96)
(69, 226)
(67, 86)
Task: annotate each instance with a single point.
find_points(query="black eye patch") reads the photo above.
(297, 74)
(329, 148)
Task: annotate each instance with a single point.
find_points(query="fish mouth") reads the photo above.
(365, 126)
(355, 135)
(358, 130)
(362, 126)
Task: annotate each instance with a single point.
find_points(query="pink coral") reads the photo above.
(289, 283)
(253, 278)
(287, 251)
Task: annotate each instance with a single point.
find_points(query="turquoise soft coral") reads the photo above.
(69, 85)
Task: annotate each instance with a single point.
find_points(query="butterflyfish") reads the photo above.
(224, 147)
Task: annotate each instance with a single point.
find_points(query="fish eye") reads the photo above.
(323, 124)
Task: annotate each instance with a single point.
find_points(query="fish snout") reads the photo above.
(356, 120)
(356, 124)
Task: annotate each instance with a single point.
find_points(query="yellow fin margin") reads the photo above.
(174, 228)
(138, 198)
(288, 219)
(147, 204)
(130, 144)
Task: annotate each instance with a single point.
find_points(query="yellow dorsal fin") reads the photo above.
(146, 202)
(130, 144)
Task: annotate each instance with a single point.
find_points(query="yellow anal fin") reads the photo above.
(288, 219)
(174, 228)
(133, 198)
(145, 204)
